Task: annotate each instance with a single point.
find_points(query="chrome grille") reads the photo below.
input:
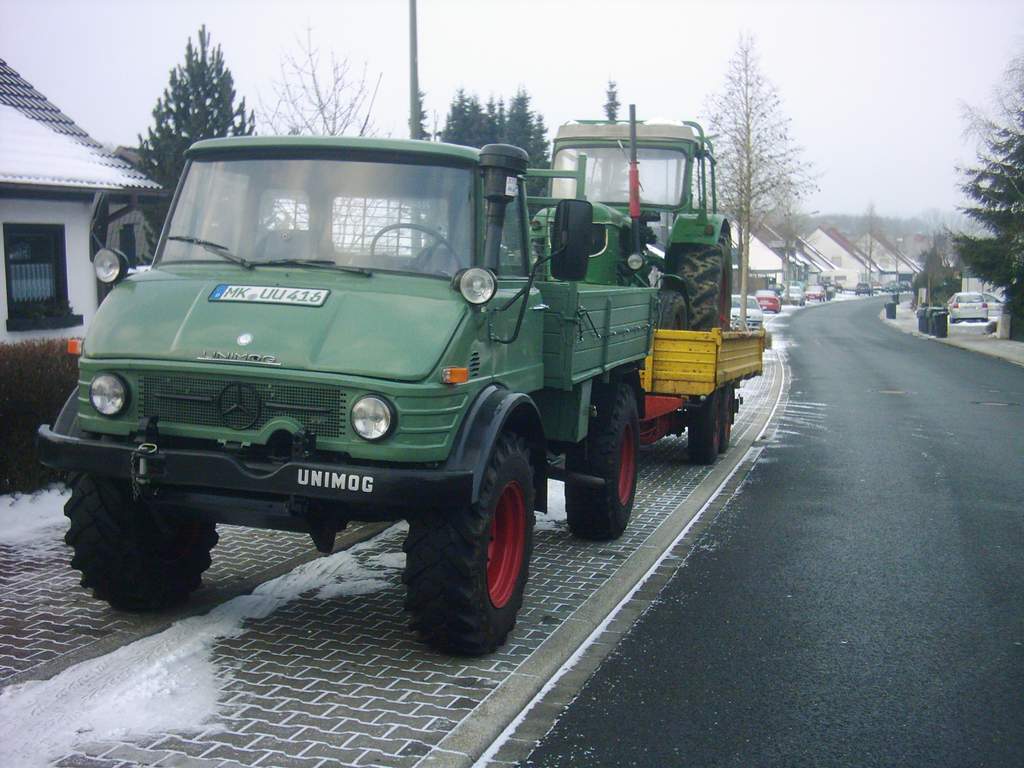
(203, 400)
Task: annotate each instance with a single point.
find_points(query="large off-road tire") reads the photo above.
(703, 433)
(610, 452)
(128, 556)
(673, 310)
(466, 568)
(707, 270)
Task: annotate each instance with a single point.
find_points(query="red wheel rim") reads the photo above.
(627, 465)
(505, 550)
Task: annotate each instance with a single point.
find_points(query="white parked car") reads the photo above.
(967, 306)
(996, 307)
(755, 317)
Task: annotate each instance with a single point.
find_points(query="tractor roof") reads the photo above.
(600, 130)
(268, 145)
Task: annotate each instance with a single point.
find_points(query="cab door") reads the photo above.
(518, 364)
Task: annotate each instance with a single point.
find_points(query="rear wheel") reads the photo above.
(128, 555)
(707, 270)
(673, 310)
(466, 568)
(610, 453)
(704, 431)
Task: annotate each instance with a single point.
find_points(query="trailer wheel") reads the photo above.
(673, 310)
(128, 556)
(704, 431)
(466, 569)
(727, 400)
(612, 448)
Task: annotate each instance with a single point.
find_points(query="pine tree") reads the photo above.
(422, 132)
(611, 104)
(996, 185)
(474, 126)
(198, 103)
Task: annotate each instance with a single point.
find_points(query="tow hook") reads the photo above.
(147, 463)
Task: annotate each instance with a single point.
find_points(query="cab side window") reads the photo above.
(512, 255)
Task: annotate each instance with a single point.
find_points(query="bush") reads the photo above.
(36, 378)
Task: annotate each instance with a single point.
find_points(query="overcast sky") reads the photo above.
(873, 88)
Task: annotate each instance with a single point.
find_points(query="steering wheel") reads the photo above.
(427, 253)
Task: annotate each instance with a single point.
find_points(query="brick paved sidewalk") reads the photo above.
(340, 681)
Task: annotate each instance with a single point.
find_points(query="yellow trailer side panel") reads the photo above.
(698, 362)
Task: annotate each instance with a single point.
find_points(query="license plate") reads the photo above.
(262, 294)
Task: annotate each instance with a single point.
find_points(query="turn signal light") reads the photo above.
(455, 375)
(75, 347)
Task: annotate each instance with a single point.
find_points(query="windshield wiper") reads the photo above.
(216, 248)
(317, 264)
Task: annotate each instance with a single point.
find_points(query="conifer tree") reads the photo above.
(611, 104)
(996, 187)
(198, 103)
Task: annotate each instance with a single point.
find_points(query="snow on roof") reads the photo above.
(620, 130)
(763, 258)
(41, 145)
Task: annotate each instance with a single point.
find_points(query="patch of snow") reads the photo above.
(31, 519)
(168, 681)
(554, 520)
(33, 153)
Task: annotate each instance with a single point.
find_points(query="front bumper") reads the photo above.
(352, 485)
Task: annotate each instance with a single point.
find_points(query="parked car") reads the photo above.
(996, 307)
(863, 289)
(795, 295)
(815, 293)
(967, 306)
(755, 317)
(768, 301)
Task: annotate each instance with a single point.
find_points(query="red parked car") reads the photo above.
(815, 293)
(768, 301)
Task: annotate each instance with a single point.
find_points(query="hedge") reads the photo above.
(36, 378)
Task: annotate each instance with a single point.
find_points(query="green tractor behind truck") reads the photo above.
(339, 330)
(675, 212)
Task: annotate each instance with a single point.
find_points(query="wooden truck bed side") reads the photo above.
(699, 362)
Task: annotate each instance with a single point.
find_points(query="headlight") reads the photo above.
(371, 417)
(476, 285)
(634, 261)
(108, 266)
(108, 394)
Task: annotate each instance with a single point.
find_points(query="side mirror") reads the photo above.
(571, 239)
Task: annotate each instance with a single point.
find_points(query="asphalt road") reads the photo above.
(860, 601)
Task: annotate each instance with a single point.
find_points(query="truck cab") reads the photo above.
(340, 329)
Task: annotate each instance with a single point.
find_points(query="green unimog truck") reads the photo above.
(345, 329)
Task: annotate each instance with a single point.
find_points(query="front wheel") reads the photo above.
(466, 568)
(610, 453)
(130, 556)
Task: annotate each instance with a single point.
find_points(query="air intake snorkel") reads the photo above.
(502, 165)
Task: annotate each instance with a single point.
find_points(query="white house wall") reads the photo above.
(81, 279)
(848, 271)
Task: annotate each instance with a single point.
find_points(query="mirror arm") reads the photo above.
(523, 293)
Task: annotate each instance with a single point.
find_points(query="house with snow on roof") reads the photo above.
(62, 196)
(850, 265)
(890, 261)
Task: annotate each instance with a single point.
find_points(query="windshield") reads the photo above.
(662, 174)
(379, 216)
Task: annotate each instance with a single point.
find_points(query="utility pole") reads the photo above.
(414, 83)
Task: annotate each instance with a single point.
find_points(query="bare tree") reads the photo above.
(871, 225)
(318, 99)
(758, 163)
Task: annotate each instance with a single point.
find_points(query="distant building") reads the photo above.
(891, 263)
(62, 197)
(850, 266)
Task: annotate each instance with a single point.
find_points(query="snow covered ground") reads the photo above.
(168, 681)
(33, 519)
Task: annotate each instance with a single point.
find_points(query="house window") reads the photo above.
(36, 271)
